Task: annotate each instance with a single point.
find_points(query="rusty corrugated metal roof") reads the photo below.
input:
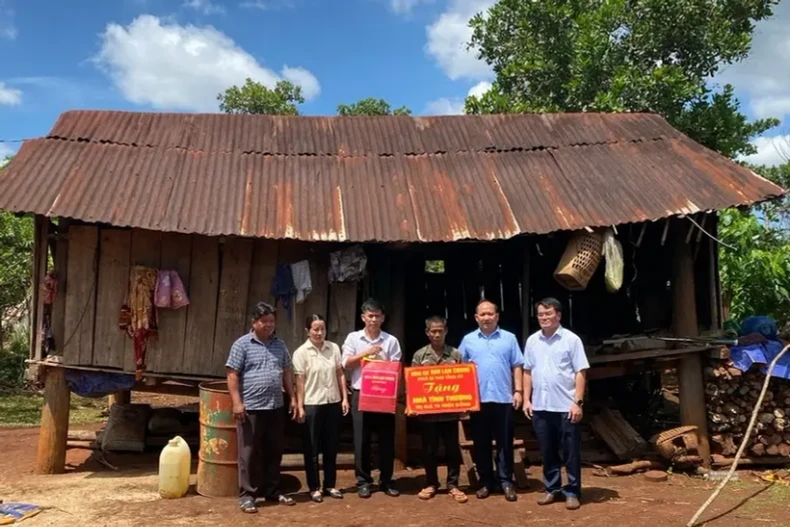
(371, 178)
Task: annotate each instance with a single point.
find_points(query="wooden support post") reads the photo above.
(54, 423)
(397, 327)
(124, 397)
(684, 324)
(40, 260)
(526, 300)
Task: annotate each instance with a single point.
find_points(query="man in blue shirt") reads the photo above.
(498, 358)
(555, 370)
(258, 368)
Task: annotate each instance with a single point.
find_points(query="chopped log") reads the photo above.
(83, 435)
(612, 428)
(758, 449)
(784, 449)
(656, 476)
(772, 450)
(630, 468)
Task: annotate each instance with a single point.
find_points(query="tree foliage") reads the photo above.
(622, 55)
(16, 256)
(371, 106)
(255, 98)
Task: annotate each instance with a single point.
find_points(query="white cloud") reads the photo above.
(205, 6)
(455, 105)
(764, 77)
(771, 150)
(7, 26)
(479, 89)
(176, 67)
(449, 35)
(445, 106)
(268, 5)
(404, 7)
(305, 79)
(5, 151)
(10, 96)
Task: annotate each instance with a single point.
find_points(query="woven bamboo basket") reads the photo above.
(580, 260)
(680, 440)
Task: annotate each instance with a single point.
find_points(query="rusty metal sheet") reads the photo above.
(355, 136)
(371, 179)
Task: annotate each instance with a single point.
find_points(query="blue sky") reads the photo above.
(178, 54)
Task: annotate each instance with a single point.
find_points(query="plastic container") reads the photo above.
(175, 463)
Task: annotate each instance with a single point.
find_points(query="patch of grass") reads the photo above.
(17, 410)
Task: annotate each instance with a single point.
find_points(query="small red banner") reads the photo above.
(379, 390)
(446, 388)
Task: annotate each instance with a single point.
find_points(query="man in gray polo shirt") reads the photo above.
(374, 344)
(258, 368)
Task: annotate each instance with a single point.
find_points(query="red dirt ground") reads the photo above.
(91, 494)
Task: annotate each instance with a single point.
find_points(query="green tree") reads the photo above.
(755, 269)
(622, 55)
(256, 98)
(16, 256)
(371, 106)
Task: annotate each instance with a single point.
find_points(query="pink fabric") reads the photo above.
(178, 295)
(162, 294)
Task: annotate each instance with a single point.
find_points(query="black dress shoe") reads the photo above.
(482, 493)
(390, 491)
(364, 491)
(510, 494)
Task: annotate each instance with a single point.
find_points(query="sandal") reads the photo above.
(282, 499)
(248, 507)
(333, 493)
(316, 497)
(458, 495)
(427, 493)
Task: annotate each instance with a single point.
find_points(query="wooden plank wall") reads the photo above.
(114, 264)
(202, 312)
(80, 309)
(224, 280)
(176, 256)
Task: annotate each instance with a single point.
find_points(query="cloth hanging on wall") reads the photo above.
(283, 287)
(170, 292)
(302, 281)
(347, 265)
(142, 315)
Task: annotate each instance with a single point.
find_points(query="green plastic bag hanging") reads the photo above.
(613, 253)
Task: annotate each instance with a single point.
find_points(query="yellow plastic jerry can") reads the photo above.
(175, 463)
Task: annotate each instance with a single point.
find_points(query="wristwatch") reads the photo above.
(580, 402)
(519, 391)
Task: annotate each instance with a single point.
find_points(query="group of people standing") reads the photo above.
(546, 380)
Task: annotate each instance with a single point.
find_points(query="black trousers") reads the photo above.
(260, 441)
(447, 431)
(321, 428)
(557, 434)
(365, 424)
(494, 422)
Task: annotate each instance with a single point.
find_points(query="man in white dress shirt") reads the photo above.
(555, 375)
(375, 344)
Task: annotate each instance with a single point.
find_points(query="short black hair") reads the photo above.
(484, 301)
(371, 304)
(315, 317)
(436, 319)
(550, 302)
(262, 309)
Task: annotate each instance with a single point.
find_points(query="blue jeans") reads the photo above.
(494, 421)
(555, 432)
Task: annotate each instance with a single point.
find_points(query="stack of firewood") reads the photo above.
(731, 396)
